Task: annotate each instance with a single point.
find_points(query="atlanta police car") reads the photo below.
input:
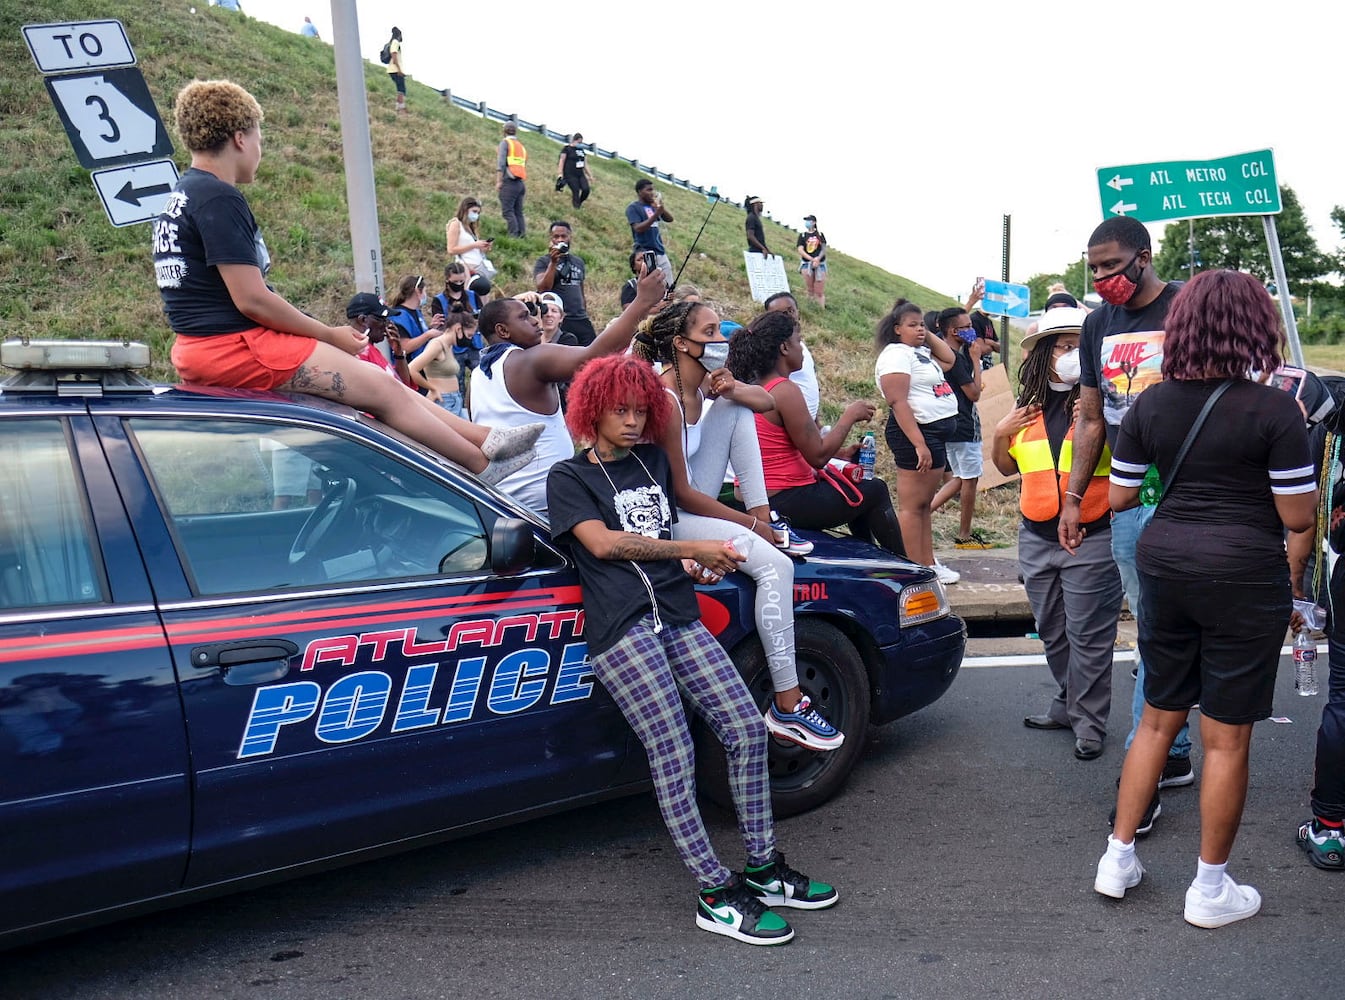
(248, 635)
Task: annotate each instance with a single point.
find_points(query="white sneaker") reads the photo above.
(1234, 902)
(1114, 876)
(946, 576)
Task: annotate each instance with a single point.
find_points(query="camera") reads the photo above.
(564, 248)
(650, 259)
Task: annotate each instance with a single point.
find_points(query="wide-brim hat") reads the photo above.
(1062, 320)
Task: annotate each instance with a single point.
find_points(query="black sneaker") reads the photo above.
(735, 911)
(1177, 772)
(776, 884)
(1147, 820)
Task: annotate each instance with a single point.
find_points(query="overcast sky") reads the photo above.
(909, 130)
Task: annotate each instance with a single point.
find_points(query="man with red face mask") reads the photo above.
(1120, 355)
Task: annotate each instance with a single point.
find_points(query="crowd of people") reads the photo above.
(512, 388)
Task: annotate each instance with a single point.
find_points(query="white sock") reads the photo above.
(1121, 850)
(1209, 878)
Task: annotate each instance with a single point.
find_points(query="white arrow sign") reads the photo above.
(1122, 207)
(1119, 182)
(109, 125)
(135, 193)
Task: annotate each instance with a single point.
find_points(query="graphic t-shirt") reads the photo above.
(650, 239)
(811, 242)
(204, 223)
(630, 494)
(1217, 520)
(569, 282)
(575, 158)
(931, 397)
(1121, 354)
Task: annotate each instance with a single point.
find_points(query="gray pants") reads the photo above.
(1076, 600)
(729, 431)
(511, 205)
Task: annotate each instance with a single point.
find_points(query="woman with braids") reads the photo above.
(1212, 566)
(922, 414)
(233, 330)
(766, 351)
(1075, 598)
(649, 649)
(712, 425)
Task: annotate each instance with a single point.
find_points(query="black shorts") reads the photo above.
(400, 80)
(1213, 643)
(936, 436)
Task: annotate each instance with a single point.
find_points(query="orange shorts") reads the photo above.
(253, 359)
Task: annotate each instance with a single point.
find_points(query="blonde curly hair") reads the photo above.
(208, 112)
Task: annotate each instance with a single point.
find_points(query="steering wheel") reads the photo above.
(336, 508)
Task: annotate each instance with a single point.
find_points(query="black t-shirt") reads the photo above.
(204, 223)
(1121, 354)
(968, 428)
(575, 157)
(811, 242)
(755, 228)
(618, 593)
(1058, 415)
(629, 291)
(568, 284)
(1218, 520)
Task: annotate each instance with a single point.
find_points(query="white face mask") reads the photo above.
(715, 354)
(1067, 367)
(473, 216)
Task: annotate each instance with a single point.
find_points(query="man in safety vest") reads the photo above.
(512, 167)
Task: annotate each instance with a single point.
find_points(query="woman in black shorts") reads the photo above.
(1212, 566)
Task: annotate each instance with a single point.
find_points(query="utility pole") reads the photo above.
(361, 199)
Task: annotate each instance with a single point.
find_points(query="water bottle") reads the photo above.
(868, 455)
(1305, 664)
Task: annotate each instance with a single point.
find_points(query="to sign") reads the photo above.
(1003, 299)
(109, 116)
(1191, 189)
(135, 193)
(63, 48)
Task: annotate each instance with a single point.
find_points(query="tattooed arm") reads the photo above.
(605, 543)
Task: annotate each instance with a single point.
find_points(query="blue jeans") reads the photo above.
(452, 402)
(1126, 528)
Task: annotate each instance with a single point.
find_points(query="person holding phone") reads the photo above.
(466, 245)
(644, 215)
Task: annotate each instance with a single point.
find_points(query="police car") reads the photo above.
(248, 635)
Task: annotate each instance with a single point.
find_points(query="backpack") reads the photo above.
(385, 53)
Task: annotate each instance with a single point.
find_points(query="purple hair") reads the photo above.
(1222, 324)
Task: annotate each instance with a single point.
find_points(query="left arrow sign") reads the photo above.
(110, 117)
(135, 193)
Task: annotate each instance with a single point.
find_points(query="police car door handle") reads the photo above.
(246, 661)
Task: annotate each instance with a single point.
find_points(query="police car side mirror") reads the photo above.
(512, 546)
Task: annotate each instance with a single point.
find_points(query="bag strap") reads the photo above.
(1222, 388)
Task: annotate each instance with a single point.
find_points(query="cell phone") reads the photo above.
(650, 259)
(1290, 379)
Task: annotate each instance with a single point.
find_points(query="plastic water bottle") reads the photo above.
(868, 455)
(1305, 664)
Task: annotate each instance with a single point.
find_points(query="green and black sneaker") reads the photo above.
(1325, 845)
(776, 884)
(734, 911)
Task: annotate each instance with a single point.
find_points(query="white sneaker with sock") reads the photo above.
(1233, 902)
(1118, 870)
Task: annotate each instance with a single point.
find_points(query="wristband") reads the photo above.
(1076, 496)
(399, 357)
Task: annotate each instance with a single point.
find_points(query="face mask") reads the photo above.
(473, 216)
(967, 336)
(455, 285)
(1119, 288)
(1067, 367)
(715, 354)
(810, 225)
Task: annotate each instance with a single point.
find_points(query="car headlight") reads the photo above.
(922, 602)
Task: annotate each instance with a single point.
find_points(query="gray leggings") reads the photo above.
(729, 430)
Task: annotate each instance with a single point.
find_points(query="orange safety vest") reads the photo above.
(516, 158)
(1044, 482)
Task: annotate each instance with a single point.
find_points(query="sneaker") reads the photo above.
(776, 884)
(1147, 820)
(501, 468)
(804, 726)
(787, 539)
(946, 576)
(1115, 876)
(1324, 844)
(1177, 772)
(972, 541)
(735, 911)
(1234, 902)
(507, 442)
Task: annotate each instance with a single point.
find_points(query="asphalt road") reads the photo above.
(964, 849)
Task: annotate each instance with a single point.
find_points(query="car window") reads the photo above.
(262, 506)
(47, 555)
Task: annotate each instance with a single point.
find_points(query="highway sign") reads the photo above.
(1003, 299)
(1191, 189)
(135, 193)
(70, 46)
(110, 117)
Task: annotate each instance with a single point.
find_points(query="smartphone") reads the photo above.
(650, 259)
(1289, 379)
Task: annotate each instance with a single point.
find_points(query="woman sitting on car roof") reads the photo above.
(233, 330)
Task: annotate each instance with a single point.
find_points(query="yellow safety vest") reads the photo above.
(516, 158)
(1044, 481)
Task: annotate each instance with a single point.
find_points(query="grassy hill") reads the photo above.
(65, 271)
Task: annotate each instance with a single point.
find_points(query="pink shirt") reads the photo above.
(783, 464)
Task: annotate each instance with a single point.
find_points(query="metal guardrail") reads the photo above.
(485, 111)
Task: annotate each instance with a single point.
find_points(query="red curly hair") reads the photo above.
(603, 384)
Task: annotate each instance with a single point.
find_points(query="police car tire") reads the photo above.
(832, 673)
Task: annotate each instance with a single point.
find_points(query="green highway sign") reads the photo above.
(1191, 189)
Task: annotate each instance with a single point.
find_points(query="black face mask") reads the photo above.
(456, 287)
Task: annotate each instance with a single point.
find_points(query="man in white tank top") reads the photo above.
(517, 380)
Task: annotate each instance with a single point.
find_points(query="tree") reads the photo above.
(1072, 279)
(1239, 242)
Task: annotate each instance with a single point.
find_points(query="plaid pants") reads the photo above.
(644, 673)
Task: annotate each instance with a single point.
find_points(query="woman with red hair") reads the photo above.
(648, 648)
(1212, 566)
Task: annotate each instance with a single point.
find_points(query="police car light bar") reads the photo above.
(73, 355)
